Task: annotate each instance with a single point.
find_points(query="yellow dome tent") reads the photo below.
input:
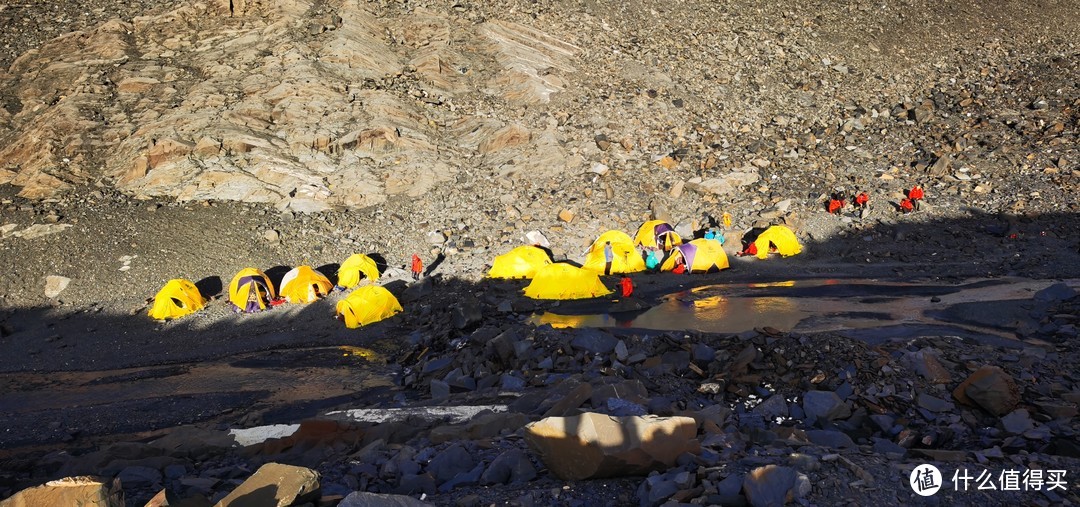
(625, 256)
(654, 232)
(565, 281)
(366, 305)
(779, 237)
(179, 297)
(521, 262)
(357, 265)
(304, 285)
(251, 291)
(700, 255)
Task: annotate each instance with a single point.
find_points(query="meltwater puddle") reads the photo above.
(989, 311)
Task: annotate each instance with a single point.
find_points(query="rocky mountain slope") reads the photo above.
(147, 140)
(467, 124)
(314, 105)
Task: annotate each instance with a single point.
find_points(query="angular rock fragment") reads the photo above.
(596, 445)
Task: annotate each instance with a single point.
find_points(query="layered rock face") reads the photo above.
(520, 107)
(303, 105)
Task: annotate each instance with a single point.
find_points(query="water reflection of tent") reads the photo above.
(625, 256)
(558, 321)
(655, 232)
(700, 255)
(565, 281)
(355, 267)
(521, 262)
(251, 291)
(304, 285)
(366, 305)
(179, 297)
(778, 238)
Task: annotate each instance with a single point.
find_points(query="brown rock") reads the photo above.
(566, 215)
(668, 163)
(580, 394)
(208, 146)
(167, 149)
(597, 445)
(677, 189)
(1057, 410)
(82, 491)
(926, 363)
(136, 84)
(770, 485)
(990, 388)
(508, 137)
(166, 499)
(483, 426)
(275, 485)
(313, 433)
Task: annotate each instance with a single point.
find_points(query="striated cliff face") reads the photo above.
(304, 105)
(530, 107)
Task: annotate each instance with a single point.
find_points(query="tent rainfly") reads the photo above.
(657, 234)
(251, 291)
(179, 297)
(565, 281)
(356, 267)
(777, 237)
(700, 255)
(625, 256)
(521, 262)
(367, 305)
(304, 285)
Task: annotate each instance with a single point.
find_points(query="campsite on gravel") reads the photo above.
(543, 252)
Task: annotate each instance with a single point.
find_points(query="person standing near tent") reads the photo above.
(836, 205)
(609, 257)
(651, 261)
(627, 286)
(680, 266)
(916, 195)
(417, 267)
(862, 200)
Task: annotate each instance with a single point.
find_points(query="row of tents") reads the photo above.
(562, 280)
(251, 290)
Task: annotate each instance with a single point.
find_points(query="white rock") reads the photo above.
(537, 238)
(436, 238)
(724, 185)
(55, 284)
(599, 168)
(39, 230)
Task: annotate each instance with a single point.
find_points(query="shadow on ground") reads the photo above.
(72, 373)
